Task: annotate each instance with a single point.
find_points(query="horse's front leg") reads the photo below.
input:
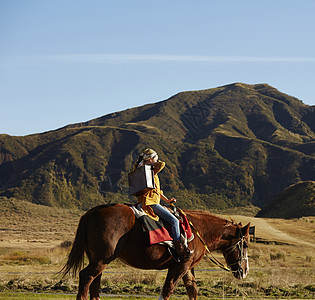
(175, 273)
(190, 284)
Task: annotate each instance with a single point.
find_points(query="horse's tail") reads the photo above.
(76, 256)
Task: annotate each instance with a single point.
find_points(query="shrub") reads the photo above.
(66, 244)
(277, 256)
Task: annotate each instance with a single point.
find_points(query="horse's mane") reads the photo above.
(217, 218)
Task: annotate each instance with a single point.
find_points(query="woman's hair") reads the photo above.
(145, 155)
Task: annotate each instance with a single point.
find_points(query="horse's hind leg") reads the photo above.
(87, 276)
(190, 284)
(95, 288)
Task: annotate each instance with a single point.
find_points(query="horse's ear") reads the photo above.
(245, 229)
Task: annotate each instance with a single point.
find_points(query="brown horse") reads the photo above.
(111, 231)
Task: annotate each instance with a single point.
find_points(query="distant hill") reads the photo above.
(229, 146)
(296, 201)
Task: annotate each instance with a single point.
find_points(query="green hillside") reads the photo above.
(296, 201)
(229, 146)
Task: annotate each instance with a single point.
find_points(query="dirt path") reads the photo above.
(297, 232)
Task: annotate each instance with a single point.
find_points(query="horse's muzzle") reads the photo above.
(242, 272)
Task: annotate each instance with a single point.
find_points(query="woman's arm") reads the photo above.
(163, 197)
(158, 166)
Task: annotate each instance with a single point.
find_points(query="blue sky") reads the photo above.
(63, 62)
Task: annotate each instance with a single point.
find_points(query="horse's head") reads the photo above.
(236, 253)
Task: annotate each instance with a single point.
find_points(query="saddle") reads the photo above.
(160, 232)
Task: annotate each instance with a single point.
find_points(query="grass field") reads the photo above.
(34, 244)
(30, 296)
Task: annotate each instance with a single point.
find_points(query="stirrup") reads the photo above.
(182, 250)
(188, 252)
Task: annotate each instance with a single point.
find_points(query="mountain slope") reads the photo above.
(296, 201)
(227, 146)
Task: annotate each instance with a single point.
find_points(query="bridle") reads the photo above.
(239, 245)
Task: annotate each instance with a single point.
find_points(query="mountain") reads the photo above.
(296, 201)
(229, 146)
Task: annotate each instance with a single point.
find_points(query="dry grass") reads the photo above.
(29, 226)
(31, 253)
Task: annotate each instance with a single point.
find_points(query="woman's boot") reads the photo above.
(181, 250)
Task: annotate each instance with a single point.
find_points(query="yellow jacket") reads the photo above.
(153, 196)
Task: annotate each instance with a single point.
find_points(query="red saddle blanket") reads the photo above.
(158, 231)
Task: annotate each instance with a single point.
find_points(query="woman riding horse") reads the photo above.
(111, 231)
(150, 200)
(108, 232)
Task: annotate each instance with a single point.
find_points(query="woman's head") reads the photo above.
(148, 156)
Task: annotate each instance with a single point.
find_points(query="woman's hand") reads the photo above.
(172, 200)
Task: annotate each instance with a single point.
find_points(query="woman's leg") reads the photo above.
(165, 215)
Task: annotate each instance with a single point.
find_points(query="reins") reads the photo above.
(209, 253)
